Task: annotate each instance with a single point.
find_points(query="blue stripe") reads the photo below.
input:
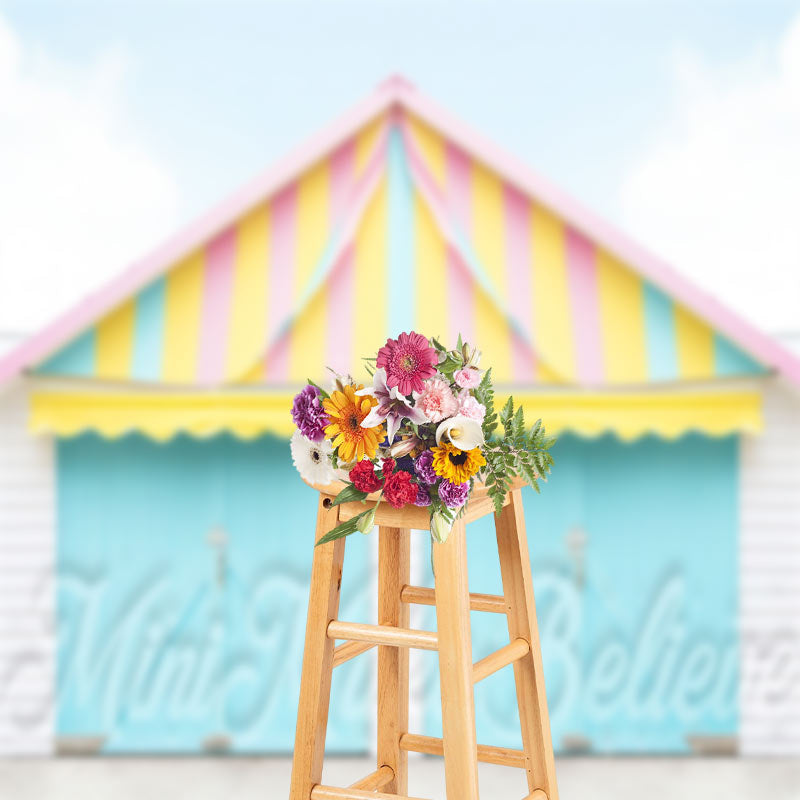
(148, 340)
(401, 288)
(77, 358)
(662, 350)
(730, 360)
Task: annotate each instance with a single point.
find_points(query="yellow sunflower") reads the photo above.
(457, 466)
(346, 412)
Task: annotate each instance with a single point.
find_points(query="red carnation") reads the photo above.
(364, 478)
(387, 468)
(399, 490)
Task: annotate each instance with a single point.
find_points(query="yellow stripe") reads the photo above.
(313, 193)
(115, 343)
(369, 311)
(621, 299)
(430, 265)
(161, 415)
(307, 342)
(695, 343)
(182, 324)
(366, 141)
(430, 146)
(248, 331)
(309, 333)
(492, 330)
(552, 316)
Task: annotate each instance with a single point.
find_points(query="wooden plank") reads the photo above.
(433, 746)
(382, 634)
(375, 781)
(455, 665)
(315, 681)
(515, 569)
(414, 517)
(333, 793)
(394, 572)
(500, 658)
(344, 652)
(411, 517)
(421, 595)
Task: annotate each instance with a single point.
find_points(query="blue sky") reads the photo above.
(212, 92)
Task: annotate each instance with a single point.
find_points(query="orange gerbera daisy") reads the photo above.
(346, 411)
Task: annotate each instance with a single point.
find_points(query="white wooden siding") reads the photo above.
(770, 580)
(27, 524)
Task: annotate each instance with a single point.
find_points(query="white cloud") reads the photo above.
(718, 192)
(80, 195)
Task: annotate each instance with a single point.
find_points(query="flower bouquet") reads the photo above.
(421, 434)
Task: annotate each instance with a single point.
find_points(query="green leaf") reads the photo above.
(348, 494)
(343, 529)
(322, 392)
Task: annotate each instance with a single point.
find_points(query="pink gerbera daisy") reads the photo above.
(408, 360)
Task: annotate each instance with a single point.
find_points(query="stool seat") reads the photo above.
(413, 517)
(452, 641)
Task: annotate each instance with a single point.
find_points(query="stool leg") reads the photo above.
(315, 681)
(394, 572)
(512, 545)
(455, 666)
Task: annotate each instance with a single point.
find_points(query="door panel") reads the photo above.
(182, 588)
(634, 550)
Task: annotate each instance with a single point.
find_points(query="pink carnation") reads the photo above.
(467, 378)
(469, 407)
(437, 400)
(408, 360)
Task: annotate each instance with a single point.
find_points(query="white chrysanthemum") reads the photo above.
(312, 459)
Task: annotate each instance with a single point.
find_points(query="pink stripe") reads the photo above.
(582, 276)
(218, 282)
(341, 291)
(282, 243)
(461, 292)
(518, 259)
(457, 188)
(342, 178)
(276, 368)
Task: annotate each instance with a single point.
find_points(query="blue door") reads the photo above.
(183, 575)
(634, 556)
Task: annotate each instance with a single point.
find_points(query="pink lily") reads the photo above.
(392, 406)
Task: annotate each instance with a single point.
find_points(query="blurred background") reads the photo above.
(205, 203)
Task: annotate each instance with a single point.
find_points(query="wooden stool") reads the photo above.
(452, 640)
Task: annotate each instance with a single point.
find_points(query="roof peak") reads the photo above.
(396, 84)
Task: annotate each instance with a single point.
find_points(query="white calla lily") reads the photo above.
(440, 528)
(463, 432)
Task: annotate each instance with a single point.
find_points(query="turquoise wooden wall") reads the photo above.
(182, 585)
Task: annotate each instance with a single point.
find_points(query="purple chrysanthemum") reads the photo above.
(453, 495)
(423, 466)
(423, 498)
(309, 415)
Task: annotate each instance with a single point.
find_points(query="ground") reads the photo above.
(268, 779)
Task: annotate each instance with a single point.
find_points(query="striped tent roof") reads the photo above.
(398, 218)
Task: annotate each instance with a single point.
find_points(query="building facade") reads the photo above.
(155, 543)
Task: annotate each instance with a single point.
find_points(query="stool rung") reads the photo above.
(383, 634)
(375, 781)
(344, 652)
(320, 792)
(537, 794)
(500, 658)
(434, 746)
(420, 595)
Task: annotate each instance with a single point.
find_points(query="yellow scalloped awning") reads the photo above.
(161, 416)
